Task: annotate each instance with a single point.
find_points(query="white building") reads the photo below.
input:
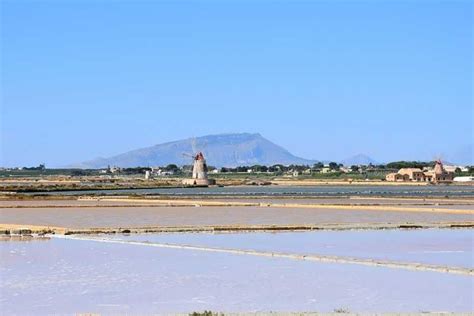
(326, 170)
(114, 169)
(464, 179)
(452, 168)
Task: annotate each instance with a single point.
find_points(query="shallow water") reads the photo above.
(437, 246)
(90, 217)
(71, 276)
(339, 190)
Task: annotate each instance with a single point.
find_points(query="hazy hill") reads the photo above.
(359, 159)
(227, 150)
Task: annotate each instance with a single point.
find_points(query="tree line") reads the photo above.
(277, 168)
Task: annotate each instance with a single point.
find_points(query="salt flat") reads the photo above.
(75, 276)
(446, 247)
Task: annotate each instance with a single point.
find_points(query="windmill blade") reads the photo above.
(193, 145)
(439, 157)
(235, 158)
(203, 148)
(192, 157)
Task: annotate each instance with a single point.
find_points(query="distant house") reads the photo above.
(326, 169)
(160, 172)
(397, 177)
(414, 174)
(345, 169)
(114, 169)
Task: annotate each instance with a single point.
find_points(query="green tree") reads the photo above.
(171, 167)
(318, 165)
(354, 168)
(257, 168)
(408, 164)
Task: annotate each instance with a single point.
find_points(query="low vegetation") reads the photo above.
(40, 178)
(206, 313)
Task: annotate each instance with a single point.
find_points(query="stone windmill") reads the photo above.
(439, 174)
(199, 176)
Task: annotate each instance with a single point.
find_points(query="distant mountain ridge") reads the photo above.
(359, 159)
(222, 150)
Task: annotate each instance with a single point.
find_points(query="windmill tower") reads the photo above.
(439, 168)
(199, 167)
(439, 174)
(199, 176)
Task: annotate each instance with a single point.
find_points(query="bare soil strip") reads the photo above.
(16, 229)
(128, 201)
(312, 257)
(292, 205)
(424, 199)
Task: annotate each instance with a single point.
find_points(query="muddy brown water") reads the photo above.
(199, 216)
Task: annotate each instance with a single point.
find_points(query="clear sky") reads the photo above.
(324, 79)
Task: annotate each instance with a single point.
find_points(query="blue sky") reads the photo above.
(324, 79)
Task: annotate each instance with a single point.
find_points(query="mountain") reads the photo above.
(359, 159)
(223, 150)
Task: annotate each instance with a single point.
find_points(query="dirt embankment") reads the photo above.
(62, 183)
